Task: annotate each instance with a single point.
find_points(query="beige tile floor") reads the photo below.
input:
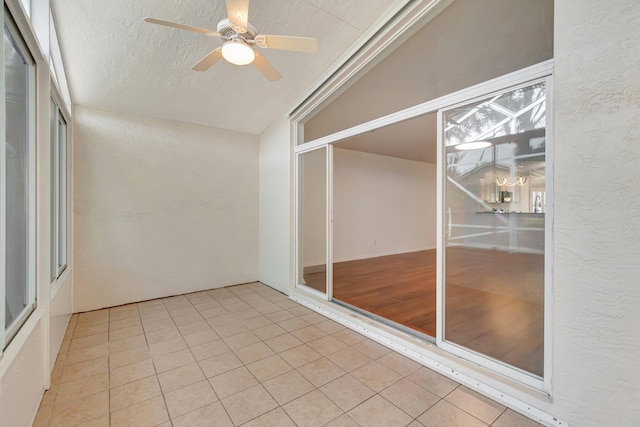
(245, 355)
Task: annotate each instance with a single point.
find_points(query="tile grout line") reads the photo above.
(498, 417)
(164, 397)
(198, 363)
(467, 412)
(252, 296)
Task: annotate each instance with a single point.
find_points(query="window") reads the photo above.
(17, 185)
(58, 192)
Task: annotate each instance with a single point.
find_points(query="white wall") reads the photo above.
(597, 213)
(596, 301)
(275, 205)
(22, 376)
(161, 208)
(381, 205)
(60, 310)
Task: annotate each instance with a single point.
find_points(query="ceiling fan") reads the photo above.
(241, 39)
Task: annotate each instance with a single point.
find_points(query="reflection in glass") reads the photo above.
(62, 194)
(312, 219)
(384, 223)
(16, 71)
(58, 192)
(495, 204)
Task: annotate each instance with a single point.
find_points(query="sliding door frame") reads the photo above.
(541, 383)
(537, 72)
(298, 269)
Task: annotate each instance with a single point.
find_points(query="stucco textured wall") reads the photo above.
(275, 205)
(597, 213)
(161, 208)
(596, 246)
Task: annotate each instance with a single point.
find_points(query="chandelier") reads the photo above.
(506, 182)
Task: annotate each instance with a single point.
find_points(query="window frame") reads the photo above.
(512, 81)
(59, 188)
(6, 335)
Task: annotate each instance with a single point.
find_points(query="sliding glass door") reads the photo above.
(436, 220)
(312, 212)
(385, 224)
(495, 206)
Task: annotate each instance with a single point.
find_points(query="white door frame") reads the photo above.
(537, 72)
(328, 218)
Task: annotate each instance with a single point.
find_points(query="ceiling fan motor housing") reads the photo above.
(227, 32)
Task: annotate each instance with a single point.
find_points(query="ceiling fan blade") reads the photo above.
(265, 67)
(206, 62)
(182, 26)
(299, 44)
(238, 13)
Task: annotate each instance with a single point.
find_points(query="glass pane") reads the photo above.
(17, 185)
(384, 223)
(62, 194)
(312, 211)
(495, 220)
(54, 189)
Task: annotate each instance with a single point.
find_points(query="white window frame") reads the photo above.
(502, 368)
(59, 189)
(7, 335)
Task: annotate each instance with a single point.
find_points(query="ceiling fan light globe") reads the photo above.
(475, 145)
(238, 53)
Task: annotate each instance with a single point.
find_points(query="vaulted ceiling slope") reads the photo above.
(116, 61)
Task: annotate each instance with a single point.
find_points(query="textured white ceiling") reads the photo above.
(116, 61)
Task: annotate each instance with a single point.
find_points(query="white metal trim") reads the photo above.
(59, 101)
(64, 203)
(463, 96)
(297, 214)
(310, 290)
(53, 119)
(33, 179)
(329, 269)
(495, 365)
(297, 201)
(60, 211)
(347, 56)
(549, 244)
(3, 201)
(440, 252)
(57, 63)
(296, 220)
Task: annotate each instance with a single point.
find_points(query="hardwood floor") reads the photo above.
(494, 299)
